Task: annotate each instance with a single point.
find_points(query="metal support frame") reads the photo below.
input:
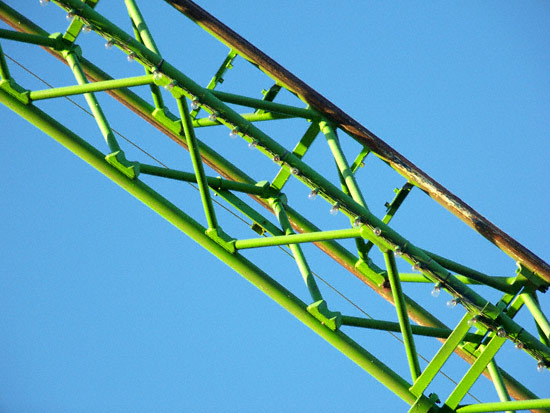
(433, 268)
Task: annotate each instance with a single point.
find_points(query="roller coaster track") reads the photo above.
(486, 325)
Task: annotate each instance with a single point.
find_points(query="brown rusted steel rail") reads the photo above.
(397, 161)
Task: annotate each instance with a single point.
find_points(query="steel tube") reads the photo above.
(93, 104)
(263, 104)
(250, 117)
(343, 166)
(144, 36)
(297, 252)
(503, 406)
(438, 332)
(4, 70)
(402, 316)
(186, 224)
(30, 38)
(297, 238)
(197, 163)
(498, 382)
(214, 183)
(90, 87)
(537, 313)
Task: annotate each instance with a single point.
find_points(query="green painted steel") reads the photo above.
(298, 238)
(503, 406)
(297, 252)
(95, 108)
(401, 308)
(451, 276)
(537, 313)
(215, 183)
(144, 36)
(90, 87)
(498, 382)
(342, 163)
(474, 371)
(442, 356)
(416, 330)
(4, 70)
(197, 164)
(52, 42)
(257, 103)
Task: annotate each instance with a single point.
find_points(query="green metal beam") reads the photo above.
(416, 330)
(537, 313)
(144, 36)
(503, 406)
(93, 104)
(498, 382)
(90, 87)
(297, 252)
(474, 371)
(442, 356)
(402, 316)
(299, 151)
(4, 70)
(218, 183)
(260, 104)
(290, 239)
(342, 163)
(53, 42)
(196, 159)
(250, 117)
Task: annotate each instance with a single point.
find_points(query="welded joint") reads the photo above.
(379, 278)
(330, 319)
(119, 161)
(221, 238)
(162, 115)
(426, 404)
(531, 279)
(13, 89)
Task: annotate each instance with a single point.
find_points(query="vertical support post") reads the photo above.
(193, 146)
(402, 315)
(143, 35)
(4, 70)
(99, 116)
(498, 382)
(303, 266)
(342, 163)
(541, 320)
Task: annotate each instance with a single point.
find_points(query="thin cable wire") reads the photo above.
(236, 216)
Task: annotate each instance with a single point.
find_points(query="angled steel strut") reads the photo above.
(485, 325)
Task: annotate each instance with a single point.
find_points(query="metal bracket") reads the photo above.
(330, 319)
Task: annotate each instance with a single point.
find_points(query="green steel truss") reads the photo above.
(485, 326)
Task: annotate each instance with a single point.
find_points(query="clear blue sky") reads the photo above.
(104, 306)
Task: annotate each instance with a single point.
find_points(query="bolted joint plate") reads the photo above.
(320, 311)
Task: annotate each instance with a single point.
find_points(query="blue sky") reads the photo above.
(106, 307)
